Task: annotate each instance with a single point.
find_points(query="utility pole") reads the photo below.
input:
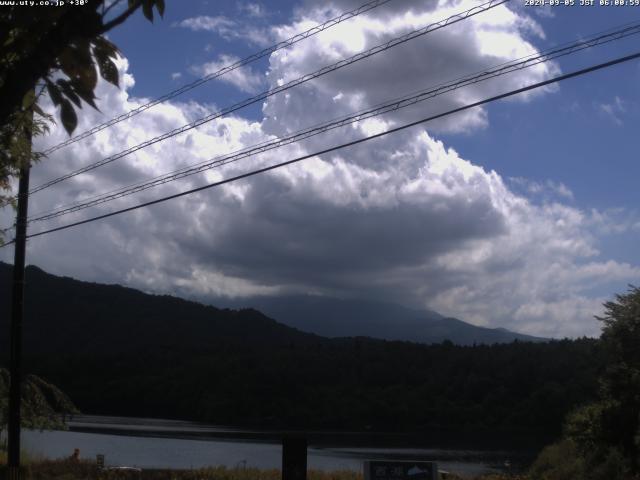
(294, 457)
(17, 310)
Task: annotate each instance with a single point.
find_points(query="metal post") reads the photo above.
(17, 307)
(294, 458)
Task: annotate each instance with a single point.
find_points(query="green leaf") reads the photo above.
(109, 71)
(83, 69)
(160, 7)
(78, 64)
(67, 90)
(85, 93)
(38, 110)
(71, 62)
(102, 46)
(88, 77)
(104, 51)
(68, 116)
(54, 93)
(147, 9)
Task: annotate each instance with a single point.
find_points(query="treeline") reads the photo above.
(118, 351)
(356, 384)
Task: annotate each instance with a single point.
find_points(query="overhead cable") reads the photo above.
(344, 145)
(222, 71)
(280, 88)
(389, 106)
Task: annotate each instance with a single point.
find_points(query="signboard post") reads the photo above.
(396, 470)
(294, 458)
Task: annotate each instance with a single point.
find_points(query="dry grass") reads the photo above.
(85, 470)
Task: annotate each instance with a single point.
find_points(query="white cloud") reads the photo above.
(402, 218)
(480, 42)
(176, 76)
(218, 24)
(228, 29)
(252, 9)
(613, 110)
(246, 79)
(548, 190)
(613, 221)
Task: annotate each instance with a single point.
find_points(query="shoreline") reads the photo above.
(505, 441)
(67, 469)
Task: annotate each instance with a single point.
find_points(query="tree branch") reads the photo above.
(105, 11)
(121, 18)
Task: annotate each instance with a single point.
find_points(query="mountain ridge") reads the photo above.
(334, 318)
(118, 351)
(169, 320)
(64, 314)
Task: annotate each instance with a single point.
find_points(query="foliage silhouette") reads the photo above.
(60, 49)
(43, 406)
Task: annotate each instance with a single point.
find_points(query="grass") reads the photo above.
(24, 458)
(85, 470)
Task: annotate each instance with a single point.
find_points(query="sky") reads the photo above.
(521, 214)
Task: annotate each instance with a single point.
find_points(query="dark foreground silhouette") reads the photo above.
(118, 351)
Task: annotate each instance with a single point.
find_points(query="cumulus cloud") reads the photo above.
(403, 218)
(478, 43)
(246, 79)
(613, 110)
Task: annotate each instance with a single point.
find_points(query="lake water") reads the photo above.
(151, 443)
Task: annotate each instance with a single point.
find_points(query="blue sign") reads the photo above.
(394, 470)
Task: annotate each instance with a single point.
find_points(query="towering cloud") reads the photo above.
(401, 218)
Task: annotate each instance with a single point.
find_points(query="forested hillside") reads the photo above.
(119, 351)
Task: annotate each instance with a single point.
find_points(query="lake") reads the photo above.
(153, 443)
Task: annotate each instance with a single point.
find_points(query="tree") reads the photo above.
(605, 434)
(621, 380)
(43, 404)
(60, 50)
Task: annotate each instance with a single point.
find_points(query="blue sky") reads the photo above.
(521, 215)
(567, 137)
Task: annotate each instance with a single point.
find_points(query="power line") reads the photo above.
(281, 88)
(344, 145)
(240, 63)
(390, 106)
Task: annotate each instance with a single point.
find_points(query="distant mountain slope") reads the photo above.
(332, 317)
(63, 314)
(67, 315)
(118, 351)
